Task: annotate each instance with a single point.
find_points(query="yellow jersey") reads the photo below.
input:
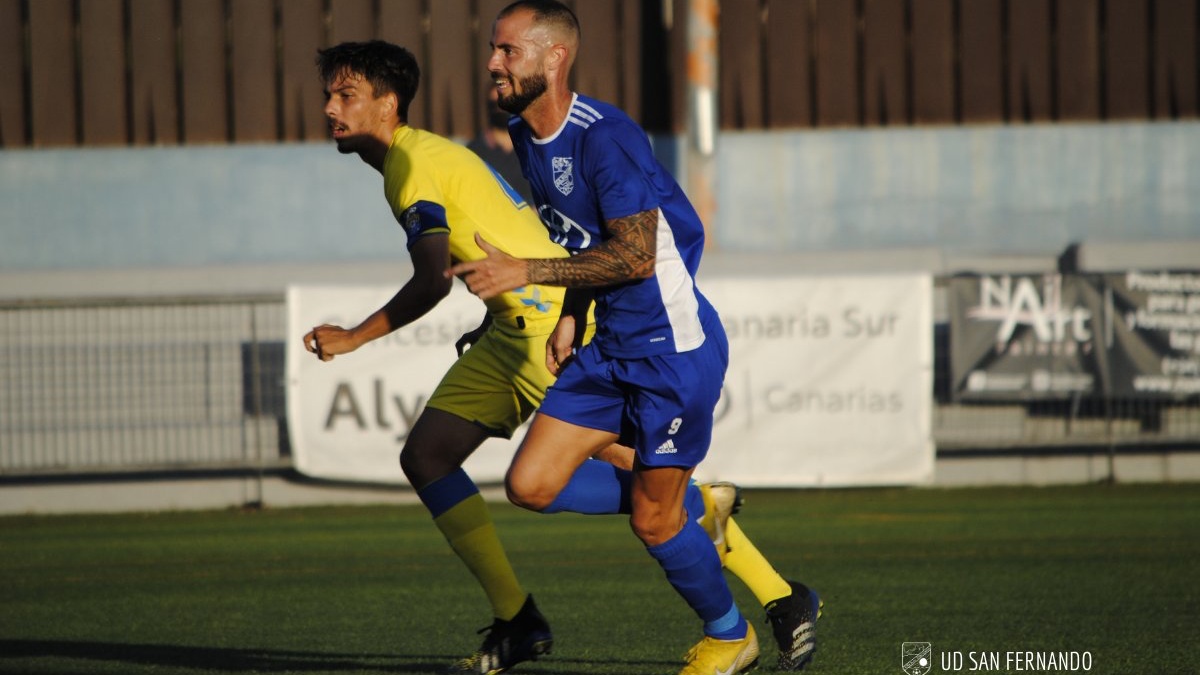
(436, 186)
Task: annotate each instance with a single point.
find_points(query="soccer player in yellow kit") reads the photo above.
(442, 195)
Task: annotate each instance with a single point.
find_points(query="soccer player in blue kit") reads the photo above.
(652, 375)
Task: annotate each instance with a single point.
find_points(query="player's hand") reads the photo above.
(327, 341)
(492, 275)
(560, 346)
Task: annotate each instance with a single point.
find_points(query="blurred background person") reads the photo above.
(495, 146)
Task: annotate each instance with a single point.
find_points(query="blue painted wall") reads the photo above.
(1003, 189)
(153, 207)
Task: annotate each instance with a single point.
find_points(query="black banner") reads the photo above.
(1057, 336)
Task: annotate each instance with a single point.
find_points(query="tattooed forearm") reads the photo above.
(628, 255)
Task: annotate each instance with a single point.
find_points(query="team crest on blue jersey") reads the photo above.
(564, 174)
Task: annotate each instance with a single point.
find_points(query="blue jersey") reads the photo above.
(599, 166)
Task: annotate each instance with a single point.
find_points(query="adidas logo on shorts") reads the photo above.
(667, 448)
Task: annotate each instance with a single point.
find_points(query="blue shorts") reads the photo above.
(661, 405)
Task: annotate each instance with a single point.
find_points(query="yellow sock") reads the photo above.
(749, 565)
(468, 528)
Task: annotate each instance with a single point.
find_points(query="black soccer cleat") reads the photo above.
(523, 638)
(793, 620)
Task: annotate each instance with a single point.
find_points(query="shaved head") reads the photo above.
(553, 16)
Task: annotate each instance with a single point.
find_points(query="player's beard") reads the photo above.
(350, 146)
(345, 142)
(532, 87)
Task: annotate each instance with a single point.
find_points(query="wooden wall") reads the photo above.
(146, 72)
(818, 63)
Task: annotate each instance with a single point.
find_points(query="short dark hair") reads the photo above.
(546, 11)
(391, 69)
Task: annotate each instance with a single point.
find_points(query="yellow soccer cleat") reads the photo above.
(721, 500)
(722, 657)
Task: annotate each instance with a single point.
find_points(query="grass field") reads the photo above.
(1111, 571)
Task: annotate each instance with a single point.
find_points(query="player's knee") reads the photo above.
(422, 468)
(527, 492)
(410, 464)
(653, 528)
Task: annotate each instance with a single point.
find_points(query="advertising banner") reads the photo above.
(829, 383)
(1055, 336)
(348, 418)
(1153, 333)
(1018, 337)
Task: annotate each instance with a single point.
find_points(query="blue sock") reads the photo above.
(596, 488)
(447, 491)
(694, 570)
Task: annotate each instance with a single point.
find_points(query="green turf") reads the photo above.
(1107, 570)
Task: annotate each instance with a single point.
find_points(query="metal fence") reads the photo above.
(99, 386)
(141, 384)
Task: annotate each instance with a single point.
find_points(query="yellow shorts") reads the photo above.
(498, 383)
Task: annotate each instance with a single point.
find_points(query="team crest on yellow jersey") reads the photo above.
(531, 296)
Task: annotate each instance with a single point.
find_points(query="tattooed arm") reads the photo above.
(627, 255)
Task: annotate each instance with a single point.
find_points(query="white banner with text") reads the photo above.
(829, 383)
